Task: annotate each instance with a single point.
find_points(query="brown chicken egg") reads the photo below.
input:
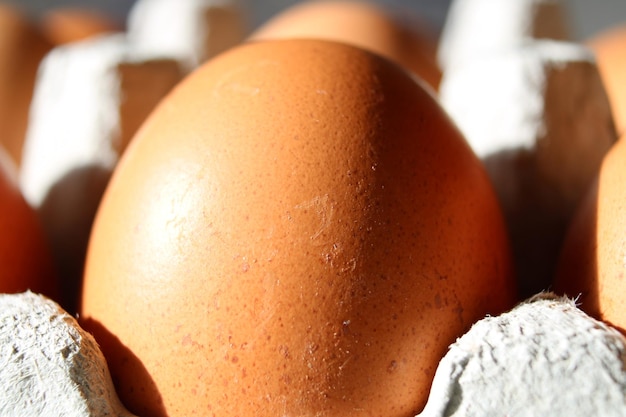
(25, 258)
(22, 47)
(298, 229)
(408, 41)
(593, 260)
(609, 47)
(63, 25)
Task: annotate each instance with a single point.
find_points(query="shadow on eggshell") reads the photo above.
(114, 350)
(577, 271)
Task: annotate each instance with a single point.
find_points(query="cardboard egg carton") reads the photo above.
(92, 96)
(90, 99)
(536, 113)
(544, 357)
(191, 31)
(50, 366)
(474, 28)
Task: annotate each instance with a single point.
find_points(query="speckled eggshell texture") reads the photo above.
(298, 229)
(592, 265)
(405, 39)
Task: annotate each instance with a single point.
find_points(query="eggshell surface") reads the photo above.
(592, 264)
(407, 40)
(298, 229)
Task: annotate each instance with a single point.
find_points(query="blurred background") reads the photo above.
(73, 100)
(587, 17)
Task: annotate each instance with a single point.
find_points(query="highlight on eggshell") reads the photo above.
(609, 46)
(67, 24)
(309, 245)
(22, 47)
(591, 265)
(394, 33)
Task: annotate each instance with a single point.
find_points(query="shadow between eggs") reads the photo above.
(67, 214)
(139, 393)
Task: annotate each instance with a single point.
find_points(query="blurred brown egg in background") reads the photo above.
(22, 46)
(25, 257)
(70, 24)
(405, 39)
